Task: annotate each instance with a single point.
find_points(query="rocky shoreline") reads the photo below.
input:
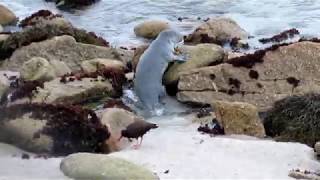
(54, 76)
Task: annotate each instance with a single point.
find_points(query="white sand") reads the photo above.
(177, 146)
(188, 154)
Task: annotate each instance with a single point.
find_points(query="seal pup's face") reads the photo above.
(172, 36)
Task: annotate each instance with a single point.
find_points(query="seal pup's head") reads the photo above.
(174, 37)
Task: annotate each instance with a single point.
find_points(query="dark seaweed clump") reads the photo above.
(295, 118)
(249, 60)
(281, 36)
(253, 74)
(25, 89)
(234, 82)
(72, 128)
(214, 128)
(41, 14)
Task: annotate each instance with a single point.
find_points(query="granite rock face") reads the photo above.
(259, 80)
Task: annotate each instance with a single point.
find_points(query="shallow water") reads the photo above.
(115, 19)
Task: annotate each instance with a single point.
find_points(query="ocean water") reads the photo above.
(115, 19)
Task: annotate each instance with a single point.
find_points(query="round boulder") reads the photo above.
(150, 29)
(56, 130)
(6, 16)
(117, 120)
(217, 30)
(99, 166)
(201, 55)
(94, 64)
(37, 68)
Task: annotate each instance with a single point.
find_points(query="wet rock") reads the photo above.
(285, 35)
(239, 118)
(237, 44)
(150, 29)
(43, 17)
(74, 91)
(99, 166)
(295, 118)
(37, 68)
(217, 30)
(317, 148)
(137, 54)
(117, 120)
(62, 48)
(304, 174)
(126, 55)
(6, 16)
(66, 4)
(52, 129)
(259, 79)
(60, 68)
(44, 30)
(201, 55)
(95, 64)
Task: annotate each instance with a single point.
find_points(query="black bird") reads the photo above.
(136, 130)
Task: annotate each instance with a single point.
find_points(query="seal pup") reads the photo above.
(136, 130)
(152, 65)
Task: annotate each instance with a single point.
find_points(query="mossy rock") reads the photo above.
(295, 118)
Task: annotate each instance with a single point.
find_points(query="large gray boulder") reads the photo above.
(217, 30)
(201, 55)
(52, 129)
(61, 48)
(103, 167)
(287, 70)
(151, 28)
(73, 92)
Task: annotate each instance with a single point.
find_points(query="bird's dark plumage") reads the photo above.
(137, 129)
